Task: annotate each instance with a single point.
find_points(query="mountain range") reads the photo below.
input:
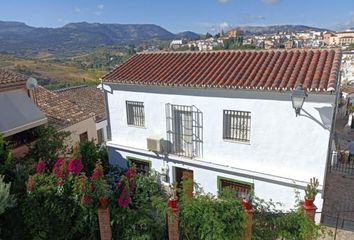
(17, 36)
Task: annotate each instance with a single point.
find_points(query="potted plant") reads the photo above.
(82, 189)
(99, 185)
(311, 191)
(101, 192)
(172, 201)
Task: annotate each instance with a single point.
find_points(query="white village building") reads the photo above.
(226, 118)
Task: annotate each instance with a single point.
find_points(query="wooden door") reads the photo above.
(185, 174)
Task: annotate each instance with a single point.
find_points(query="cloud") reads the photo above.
(77, 9)
(252, 19)
(215, 27)
(270, 1)
(100, 6)
(224, 1)
(62, 20)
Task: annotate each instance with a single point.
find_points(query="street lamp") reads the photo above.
(298, 98)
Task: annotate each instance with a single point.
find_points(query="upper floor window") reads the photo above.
(237, 126)
(185, 130)
(135, 113)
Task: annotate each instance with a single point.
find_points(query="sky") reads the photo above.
(200, 16)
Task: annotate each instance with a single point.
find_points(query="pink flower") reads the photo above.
(130, 173)
(60, 168)
(40, 166)
(124, 199)
(75, 166)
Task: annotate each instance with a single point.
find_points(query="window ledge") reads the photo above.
(134, 126)
(235, 141)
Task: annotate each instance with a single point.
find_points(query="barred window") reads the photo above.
(142, 166)
(185, 130)
(135, 113)
(237, 126)
(242, 190)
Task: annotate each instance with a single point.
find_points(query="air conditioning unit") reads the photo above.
(155, 144)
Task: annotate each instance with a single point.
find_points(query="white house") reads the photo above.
(225, 118)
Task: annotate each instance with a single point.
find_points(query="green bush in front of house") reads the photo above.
(206, 217)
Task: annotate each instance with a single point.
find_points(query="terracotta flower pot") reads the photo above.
(309, 202)
(85, 200)
(247, 205)
(172, 203)
(103, 202)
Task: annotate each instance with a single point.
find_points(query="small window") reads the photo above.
(100, 136)
(135, 113)
(237, 126)
(142, 166)
(242, 190)
(83, 137)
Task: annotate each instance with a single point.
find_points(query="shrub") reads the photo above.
(207, 217)
(50, 142)
(90, 152)
(7, 200)
(145, 215)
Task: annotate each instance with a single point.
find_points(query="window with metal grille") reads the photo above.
(185, 130)
(142, 166)
(242, 190)
(100, 136)
(135, 113)
(237, 126)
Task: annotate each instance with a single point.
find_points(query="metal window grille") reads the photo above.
(184, 130)
(242, 190)
(135, 113)
(237, 125)
(100, 136)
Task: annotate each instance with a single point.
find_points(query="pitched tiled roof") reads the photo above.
(9, 78)
(89, 98)
(60, 112)
(316, 70)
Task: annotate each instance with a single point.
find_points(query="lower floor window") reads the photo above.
(142, 166)
(243, 190)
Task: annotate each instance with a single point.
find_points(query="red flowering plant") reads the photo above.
(99, 185)
(40, 167)
(126, 187)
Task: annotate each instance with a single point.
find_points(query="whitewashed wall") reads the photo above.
(281, 144)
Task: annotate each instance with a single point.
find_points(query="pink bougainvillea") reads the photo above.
(75, 166)
(98, 171)
(40, 166)
(124, 199)
(60, 168)
(130, 173)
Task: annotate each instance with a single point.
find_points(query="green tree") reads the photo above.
(91, 152)
(50, 142)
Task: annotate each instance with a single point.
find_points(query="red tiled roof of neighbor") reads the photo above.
(9, 78)
(315, 70)
(61, 113)
(89, 98)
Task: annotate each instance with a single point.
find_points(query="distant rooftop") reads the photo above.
(60, 112)
(281, 70)
(89, 98)
(10, 78)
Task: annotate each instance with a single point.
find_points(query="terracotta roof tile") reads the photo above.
(9, 78)
(89, 98)
(60, 112)
(316, 70)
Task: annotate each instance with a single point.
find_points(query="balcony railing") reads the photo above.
(341, 162)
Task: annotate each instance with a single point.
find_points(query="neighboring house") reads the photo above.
(226, 118)
(19, 115)
(64, 115)
(90, 99)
